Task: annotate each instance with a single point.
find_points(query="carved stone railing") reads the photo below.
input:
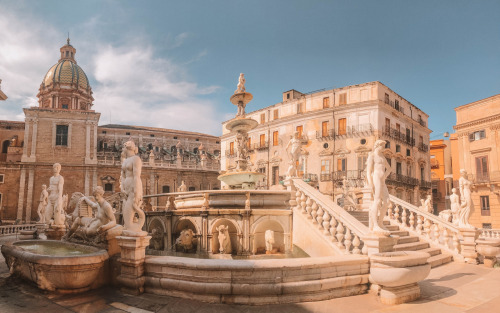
(14, 229)
(490, 233)
(425, 225)
(344, 230)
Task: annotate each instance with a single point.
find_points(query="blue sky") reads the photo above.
(174, 64)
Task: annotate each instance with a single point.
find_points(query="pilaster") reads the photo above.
(29, 199)
(22, 185)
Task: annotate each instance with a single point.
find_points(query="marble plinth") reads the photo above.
(132, 256)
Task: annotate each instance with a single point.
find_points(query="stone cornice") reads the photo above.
(479, 122)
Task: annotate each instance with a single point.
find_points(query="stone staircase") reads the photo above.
(407, 242)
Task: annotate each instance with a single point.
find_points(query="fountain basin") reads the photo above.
(489, 249)
(241, 125)
(241, 180)
(55, 265)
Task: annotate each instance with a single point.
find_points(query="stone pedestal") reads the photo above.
(55, 232)
(27, 234)
(367, 198)
(40, 230)
(133, 253)
(377, 244)
(468, 244)
(489, 249)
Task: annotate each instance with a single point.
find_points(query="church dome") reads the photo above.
(66, 72)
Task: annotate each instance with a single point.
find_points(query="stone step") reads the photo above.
(440, 259)
(432, 251)
(412, 246)
(392, 227)
(386, 223)
(400, 233)
(407, 239)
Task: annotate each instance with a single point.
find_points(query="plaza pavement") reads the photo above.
(454, 287)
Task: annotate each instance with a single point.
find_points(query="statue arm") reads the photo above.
(369, 170)
(60, 187)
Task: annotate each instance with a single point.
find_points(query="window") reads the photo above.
(386, 98)
(175, 137)
(217, 142)
(61, 135)
(361, 162)
(398, 148)
(485, 205)
(275, 138)
(387, 124)
(105, 145)
(482, 169)
(343, 98)
(104, 132)
(151, 135)
(191, 188)
(421, 139)
(275, 114)
(477, 135)
(485, 225)
(5, 146)
(288, 96)
(408, 170)
(326, 103)
(231, 148)
(108, 187)
(299, 129)
(408, 152)
(262, 118)
(341, 165)
(300, 108)
(325, 167)
(263, 140)
(197, 139)
(396, 104)
(422, 173)
(387, 144)
(2, 178)
(64, 106)
(399, 168)
(324, 129)
(249, 143)
(408, 135)
(342, 129)
(128, 134)
(276, 175)
(165, 189)
(398, 127)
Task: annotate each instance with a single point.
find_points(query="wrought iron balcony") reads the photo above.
(423, 147)
(352, 174)
(261, 145)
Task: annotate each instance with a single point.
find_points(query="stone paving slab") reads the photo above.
(451, 288)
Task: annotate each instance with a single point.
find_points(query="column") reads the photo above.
(94, 149)
(87, 178)
(20, 202)
(87, 142)
(33, 140)
(26, 139)
(29, 199)
(94, 177)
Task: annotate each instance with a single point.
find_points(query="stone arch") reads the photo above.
(157, 229)
(186, 222)
(234, 235)
(257, 233)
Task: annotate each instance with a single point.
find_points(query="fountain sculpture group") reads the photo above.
(221, 224)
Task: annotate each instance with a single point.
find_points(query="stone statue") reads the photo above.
(466, 206)
(377, 171)
(187, 240)
(88, 227)
(131, 187)
(54, 213)
(241, 84)
(151, 158)
(291, 171)
(182, 187)
(44, 196)
(296, 145)
(454, 205)
(156, 239)
(269, 237)
(224, 240)
(428, 204)
(242, 150)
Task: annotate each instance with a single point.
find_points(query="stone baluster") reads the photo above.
(340, 234)
(389, 212)
(298, 194)
(412, 220)
(314, 211)
(404, 217)
(309, 207)
(303, 199)
(427, 228)
(396, 213)
(436, 231)
(456, 243)
(348, 240)
(333, 228)
(326, 223)
(356, 243)
(419, 224)
(446, 238)
(319, 216)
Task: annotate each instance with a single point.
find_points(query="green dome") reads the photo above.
(66, 72)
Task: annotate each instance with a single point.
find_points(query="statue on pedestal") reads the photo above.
(377, 171)
(466, 206)
(44, 196)
(182, 187)
(54, 212)
(296, 146)
(131, 187)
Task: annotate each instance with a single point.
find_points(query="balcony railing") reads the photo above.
(230, 154)
(394, 133)
(325, 177)
(328, 135)
(482, 177)
(261, 145)
(310, 177)
(352, 174)
(352, 131)
(422, 122)
(401, 180)
(425, 184)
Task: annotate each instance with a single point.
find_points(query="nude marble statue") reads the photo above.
(377, 171)
(466, 206)
(182, 187)
(131, 187)
(454, 205)
(54, 213)
(295, 145)
(241, 84)
(44, 196)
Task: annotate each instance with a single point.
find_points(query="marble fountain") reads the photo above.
(238, 245)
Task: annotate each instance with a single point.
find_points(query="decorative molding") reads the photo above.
(480, 150)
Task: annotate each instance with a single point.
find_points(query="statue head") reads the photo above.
(296, 134)
(379, 144)
(130, 146)
(454, 190)
(429, 197)
(44, 187)
(98, 191)
(56, 168)
(463, 173)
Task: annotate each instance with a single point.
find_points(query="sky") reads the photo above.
(174, 64)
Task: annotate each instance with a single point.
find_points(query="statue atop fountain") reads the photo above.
(296, 147)
(54, 211)
(44, 196)
(241, 177)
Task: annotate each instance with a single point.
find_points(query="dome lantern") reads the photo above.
(68, 52)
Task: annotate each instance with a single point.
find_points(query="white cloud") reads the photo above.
(131, 84)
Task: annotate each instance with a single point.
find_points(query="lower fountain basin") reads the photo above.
(241, 180)
(55, 265)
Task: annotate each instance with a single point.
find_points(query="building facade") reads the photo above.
(441, 174)
(338, 128)
(478, 152)
(64, 128)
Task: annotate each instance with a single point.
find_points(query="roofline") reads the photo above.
(155, 129)
(475, 102)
